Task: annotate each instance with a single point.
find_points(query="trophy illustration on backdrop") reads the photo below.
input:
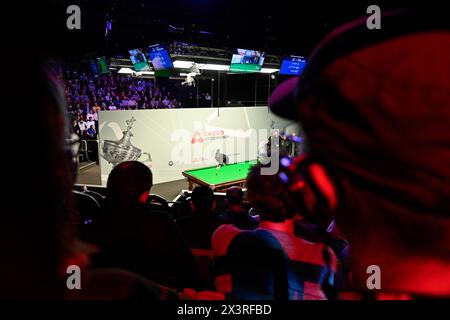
(122, 150)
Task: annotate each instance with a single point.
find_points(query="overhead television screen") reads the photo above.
(293, 65)
(244, 60)
(94, 66)
(139, 60)
(159, 56)
(103, 65)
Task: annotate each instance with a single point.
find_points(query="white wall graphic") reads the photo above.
(182, 139)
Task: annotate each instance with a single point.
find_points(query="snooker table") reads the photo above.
(219, 179)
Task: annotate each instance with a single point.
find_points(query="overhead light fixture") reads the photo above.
(125, 71)
(181, 64)
(141, 73)
(269, 70)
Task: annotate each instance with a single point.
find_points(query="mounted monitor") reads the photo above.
(103, 65)
(139, 60)
(99, 66)
(293, 65)
(244, 60)
(159, 56)
(93, 64)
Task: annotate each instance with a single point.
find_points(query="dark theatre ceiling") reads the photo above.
(279, 27)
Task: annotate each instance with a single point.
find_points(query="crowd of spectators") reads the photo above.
(86, 94)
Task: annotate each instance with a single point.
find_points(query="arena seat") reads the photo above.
(97, 196)
(157, 200)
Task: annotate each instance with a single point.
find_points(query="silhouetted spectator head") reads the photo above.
(129, 183)
(268, 196)
(202, 200)
(234, 196)
(375, 109)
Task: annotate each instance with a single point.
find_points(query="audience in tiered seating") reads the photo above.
(86, 94)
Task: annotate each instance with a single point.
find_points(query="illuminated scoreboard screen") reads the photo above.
(293, 65)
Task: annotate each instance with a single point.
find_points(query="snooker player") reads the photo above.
(222, 159)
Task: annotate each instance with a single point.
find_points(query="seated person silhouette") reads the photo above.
(236, 214)
(139, 237)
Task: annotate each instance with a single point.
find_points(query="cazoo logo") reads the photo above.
(200, 137)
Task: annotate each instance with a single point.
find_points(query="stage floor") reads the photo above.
(90, 176)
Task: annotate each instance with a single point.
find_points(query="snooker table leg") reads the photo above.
(191, 184)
